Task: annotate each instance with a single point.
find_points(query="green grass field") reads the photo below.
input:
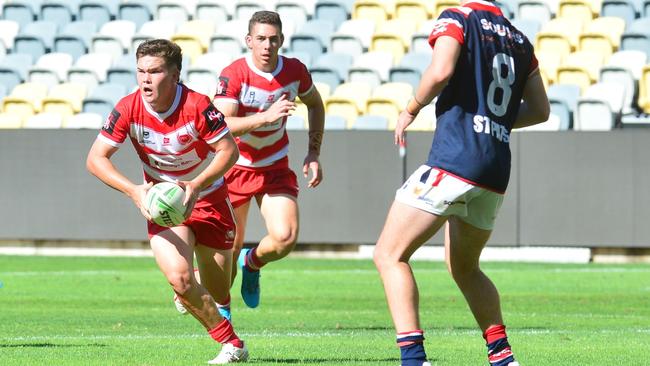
(118, 311)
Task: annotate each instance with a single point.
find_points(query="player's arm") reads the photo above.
(241, 125)
(226, 154)
(534, 108)
(436, 76)
(100, 165)
(316, 119)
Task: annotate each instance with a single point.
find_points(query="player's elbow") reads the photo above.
(542, 112)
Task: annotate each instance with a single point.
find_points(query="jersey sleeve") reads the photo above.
(306, 84)
(451, 22)
(211, 124)
(228, 85)
(116, 127)
(534, 64)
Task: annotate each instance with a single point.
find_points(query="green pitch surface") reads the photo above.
(119, 311)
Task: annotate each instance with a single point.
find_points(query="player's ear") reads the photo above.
(281, 39)
(249, 41)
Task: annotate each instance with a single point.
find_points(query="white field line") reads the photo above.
(326, 334)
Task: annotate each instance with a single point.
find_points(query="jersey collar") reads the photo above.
(161, 116)
(266, 75)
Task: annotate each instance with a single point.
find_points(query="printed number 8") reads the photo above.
(500, 62)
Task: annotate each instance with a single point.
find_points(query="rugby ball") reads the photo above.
(164, 201)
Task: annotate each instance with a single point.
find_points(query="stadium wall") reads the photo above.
(585, 189)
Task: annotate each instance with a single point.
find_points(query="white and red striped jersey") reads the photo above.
(173, 145)
(255, 91)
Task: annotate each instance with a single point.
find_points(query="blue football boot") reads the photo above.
(250, 282)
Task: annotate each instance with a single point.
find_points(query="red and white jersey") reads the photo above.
(173, 145)
(255, 91)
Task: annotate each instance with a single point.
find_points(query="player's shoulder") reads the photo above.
(292, 62)
(237, 66)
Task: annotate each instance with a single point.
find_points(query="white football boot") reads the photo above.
(179, 305)
(230, 354)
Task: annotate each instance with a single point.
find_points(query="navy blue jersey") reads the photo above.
(477, 109)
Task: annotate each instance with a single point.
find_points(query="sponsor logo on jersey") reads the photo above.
(441, 25)
(184, 139)
(483, 124)
(501, 30)
(222, 86)
(214, 118)
(111, 120)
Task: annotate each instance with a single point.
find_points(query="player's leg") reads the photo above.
(215, 268)
(241, 218)
(463, 246)
(405, 230)
(280, 213)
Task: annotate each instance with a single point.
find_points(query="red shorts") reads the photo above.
(243, 183)
(212, 221)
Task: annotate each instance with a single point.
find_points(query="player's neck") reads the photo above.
(163, 105)
(269, 66)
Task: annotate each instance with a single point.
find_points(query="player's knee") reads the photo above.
(180, 282)
(382, 258)
(285, 240)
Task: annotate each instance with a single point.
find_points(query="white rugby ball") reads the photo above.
(164, 201)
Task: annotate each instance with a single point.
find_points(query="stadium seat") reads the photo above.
(326, 75)
(623, 9)
(174, 12)
(624, 67)
(637, 36)
(340, 62)
(363, 29)
(8, 31)
(370, 122)
(244, 9)
(303, 57)
(66, 93)
(332, 10)
(371, 67)
(297, 12)
(114, 38)
(35, 38)
(564, 100)
(22, 12)
(51, 69)
(335, 122)
(374, 10)
(414, 11)
(106, 93)
(10, 121)
(568, 28)
(190, 45)
(441, 5)
(346, 43)
(393, 36)
(136, 12)
(388, 100)
(45, 120)
(537, 10)
(425, 120)
(602, 34)
(599, 107)
(75, 38)
(348, 100)
(307, 43)
(212, 11)
(576, 10)
(580, 68)
(214, 61)
(644, 90)
(529, 27)
(230, 37)
(556, 43)
(59, 12)
(13, 69)
(90, 69)
(92, 121)
(123, 71)
(98, 12)
(32, 93)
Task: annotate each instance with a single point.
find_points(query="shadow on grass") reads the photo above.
(371, 361)
(50, 345)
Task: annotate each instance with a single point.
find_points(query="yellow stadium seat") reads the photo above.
(595, 42)
(553, 43)
(190, 44)
(549, 61)
(10, 120)
(390, 43)
(34, 93)
(348, 101)
(70, 93)
(575, 10)
(440, 5)
(415, 11)
(388, 100)
(375, 10)
(580, 68)
(200, 29)
(343, 107)
(644, 89)
(569, 28)
(19, 107)
(610, 27)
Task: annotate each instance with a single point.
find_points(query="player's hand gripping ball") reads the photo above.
(164, 201)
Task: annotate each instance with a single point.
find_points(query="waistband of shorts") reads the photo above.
(280, 164)
(469, 181)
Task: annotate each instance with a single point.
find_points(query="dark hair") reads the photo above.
(168, 50)
(265, 17)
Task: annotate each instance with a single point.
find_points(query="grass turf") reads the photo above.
(118, 311)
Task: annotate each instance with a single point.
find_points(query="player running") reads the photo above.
(180, 137)
(480, 70)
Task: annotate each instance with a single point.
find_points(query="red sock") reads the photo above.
(224, 333)
(494, 333)
(253, 262)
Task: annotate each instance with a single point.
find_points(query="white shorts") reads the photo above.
(442, 194)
